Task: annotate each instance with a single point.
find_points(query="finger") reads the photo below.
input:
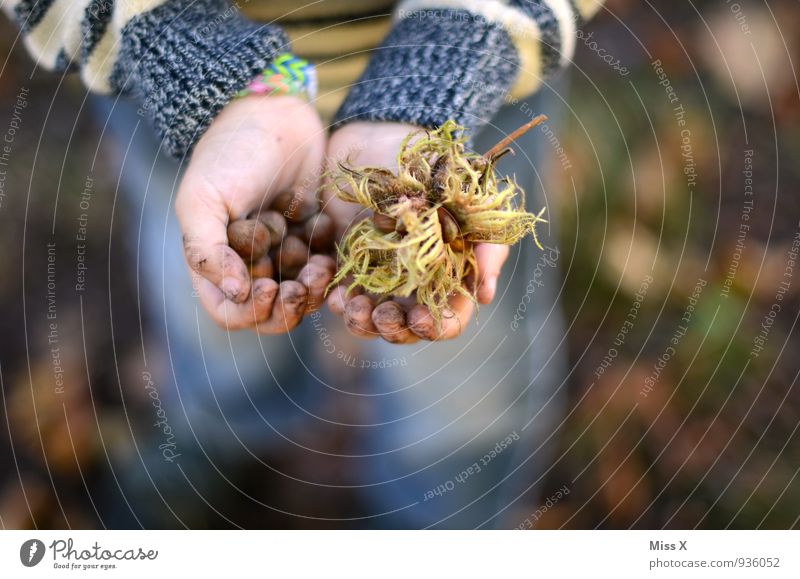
(338, 296)
(390, 320)
(232, 316)
(454, 319)
(358, 317)
(337, 299)
(288, 310)
(204, 221)
(490, 258)
(316, 278)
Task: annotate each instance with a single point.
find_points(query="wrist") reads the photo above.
(185, 67)
(462, 68)
(259, 114)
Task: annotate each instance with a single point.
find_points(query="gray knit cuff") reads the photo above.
(187, 59)
(434, 66)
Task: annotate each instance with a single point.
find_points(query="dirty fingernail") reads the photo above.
(266, 294)
(231, 288)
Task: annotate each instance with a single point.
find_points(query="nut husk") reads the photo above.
(442, 201)
(384, 223)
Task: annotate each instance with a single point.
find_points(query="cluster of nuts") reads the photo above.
(278, 242)
(428, 216)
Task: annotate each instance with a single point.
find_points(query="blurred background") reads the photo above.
(674, 179)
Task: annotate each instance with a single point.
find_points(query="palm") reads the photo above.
(397, 320)
(255, 149)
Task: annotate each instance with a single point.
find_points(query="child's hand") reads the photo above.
(399, 321)
(256, 148)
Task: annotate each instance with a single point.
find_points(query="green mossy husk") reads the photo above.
(434, 171)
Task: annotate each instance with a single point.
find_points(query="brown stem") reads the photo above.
(514, 136)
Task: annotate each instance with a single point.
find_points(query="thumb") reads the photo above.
(204, 221)
(490, 258)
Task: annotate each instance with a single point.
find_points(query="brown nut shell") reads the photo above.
(250, 238)
(319, 233)
(290, 257)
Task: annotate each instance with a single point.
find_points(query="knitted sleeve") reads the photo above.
(460, 59)
(183, 59)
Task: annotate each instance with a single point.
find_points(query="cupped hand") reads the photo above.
(399, 320)
(255, 149)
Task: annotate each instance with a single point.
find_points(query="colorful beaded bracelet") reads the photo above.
(287, 75)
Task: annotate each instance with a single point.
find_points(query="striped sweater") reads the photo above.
(414, 61)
